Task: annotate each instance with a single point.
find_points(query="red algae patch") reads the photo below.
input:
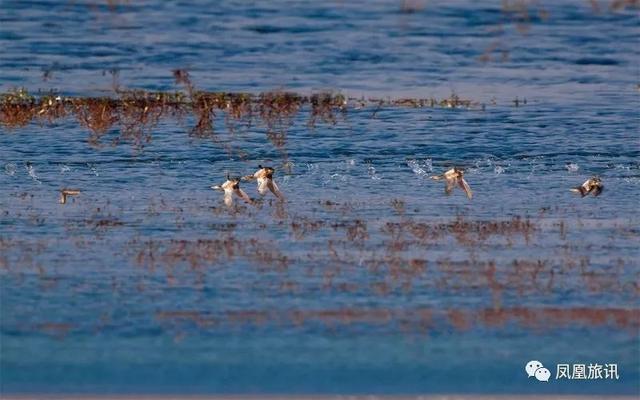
(415, 319)
(134, 111)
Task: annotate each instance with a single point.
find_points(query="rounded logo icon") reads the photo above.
(532, 366)
(543, 374)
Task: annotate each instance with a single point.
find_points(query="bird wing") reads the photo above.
(263, 184)
(597, 189)
(240, 193)
(274, 189)
(228, 199)
(465, 186)
(579, 189)
(451, 183)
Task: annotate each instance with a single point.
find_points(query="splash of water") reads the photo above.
(422, 169)
(372, 173)
(573, 167)
(93, 169)
(32, 172)
(10, 169)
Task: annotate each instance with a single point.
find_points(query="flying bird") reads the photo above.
(64, 193)
(592, 185)
(232, 187)
(452, 177)
(264, 176)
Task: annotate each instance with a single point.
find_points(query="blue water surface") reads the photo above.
(147, 283)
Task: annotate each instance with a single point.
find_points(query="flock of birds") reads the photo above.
(264, 178)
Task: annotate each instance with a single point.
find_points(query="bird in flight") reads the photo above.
(454, 177)
(592, 185)
(230, 188)
(264, 176)
(64, 193)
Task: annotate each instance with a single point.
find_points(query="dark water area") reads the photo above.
(368, 278)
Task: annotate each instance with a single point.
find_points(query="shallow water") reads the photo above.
(368, 279)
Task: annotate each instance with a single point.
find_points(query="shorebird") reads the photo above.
(592, 185)
(452, 177)
(230, 187)
(264, 176)
(67, 192)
